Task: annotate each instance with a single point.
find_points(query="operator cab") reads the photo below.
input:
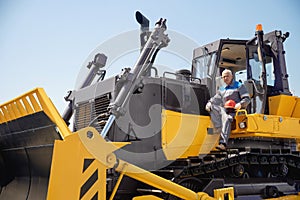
(263, 76)
(211, 59)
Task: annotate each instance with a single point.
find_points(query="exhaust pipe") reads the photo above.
(144, 22)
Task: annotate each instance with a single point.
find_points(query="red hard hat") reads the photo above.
(229, 104)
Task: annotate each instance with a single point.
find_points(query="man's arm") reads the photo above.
(244, 96)
(215, 100)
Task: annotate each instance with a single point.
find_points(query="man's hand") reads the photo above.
(237, 106)
(208, 106)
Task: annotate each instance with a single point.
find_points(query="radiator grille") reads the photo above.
(88, 111)
(101, 105)
(83, 115)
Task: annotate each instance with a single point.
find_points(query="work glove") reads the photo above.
(237, 106)
(208, 106)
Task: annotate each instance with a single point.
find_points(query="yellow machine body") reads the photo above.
(283, 121)
(79, 169)
(177, 143)
(284, 105)
(80, 161)
(41, 158)
(75, 172)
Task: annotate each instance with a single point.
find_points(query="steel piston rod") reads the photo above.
(156, 41)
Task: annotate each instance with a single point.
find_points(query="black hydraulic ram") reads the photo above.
(94, 69)
(262, 58)
(157, 40)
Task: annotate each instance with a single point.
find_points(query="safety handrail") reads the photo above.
(220, 193)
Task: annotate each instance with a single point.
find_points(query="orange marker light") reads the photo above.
(258, 27)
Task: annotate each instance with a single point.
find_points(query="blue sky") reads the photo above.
(45, 43)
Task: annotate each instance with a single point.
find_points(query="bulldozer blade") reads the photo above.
(25, 158)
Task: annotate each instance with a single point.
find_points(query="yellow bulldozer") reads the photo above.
(139, 135)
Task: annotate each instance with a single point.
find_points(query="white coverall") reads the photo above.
(237, 92)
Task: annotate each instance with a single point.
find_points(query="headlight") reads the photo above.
(242, 125)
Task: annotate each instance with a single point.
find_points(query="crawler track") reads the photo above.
(263, 172)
